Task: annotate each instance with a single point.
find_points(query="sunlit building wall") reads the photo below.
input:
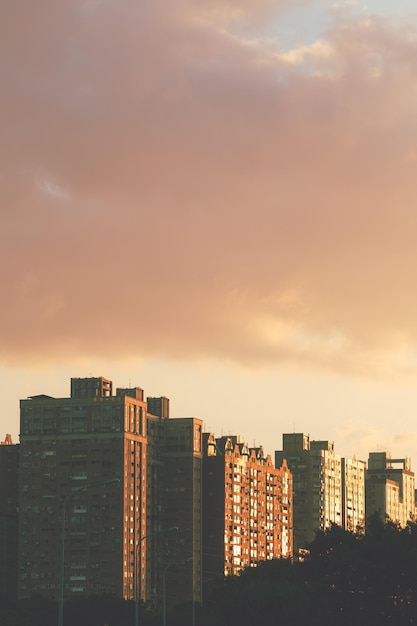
(390, 488)
(353, 494)
(247, 507)
(317, 485)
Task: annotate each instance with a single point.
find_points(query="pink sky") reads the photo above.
(184, 198)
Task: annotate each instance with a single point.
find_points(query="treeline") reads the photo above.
(345, 579)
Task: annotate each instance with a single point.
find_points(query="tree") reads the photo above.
(346, 578)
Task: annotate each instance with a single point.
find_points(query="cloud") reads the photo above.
(220, 201)
(359, 439)
(305, 55)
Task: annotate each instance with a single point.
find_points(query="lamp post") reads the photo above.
(164, 604)
(62, 540)
(137, 561)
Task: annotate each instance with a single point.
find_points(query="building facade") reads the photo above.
(247, 507)
(123, 486)
(175, 506)
(353, 494)
(328, 489)
(390, 488)
(70, 447)
(317, 499)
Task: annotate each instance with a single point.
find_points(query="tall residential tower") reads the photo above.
(68, 445)
(390, 488)
(327, 489)
(247, 507)
(119, 538)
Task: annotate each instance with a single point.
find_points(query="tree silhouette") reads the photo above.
(345, 578)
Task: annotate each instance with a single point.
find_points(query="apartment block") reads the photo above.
(247, 507)
(175, 505)
(390, 488)
(131, 538)
(69, 447)
(317, 488)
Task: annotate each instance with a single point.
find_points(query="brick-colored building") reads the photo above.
(117, 537)
(247, 507)
(67, 443)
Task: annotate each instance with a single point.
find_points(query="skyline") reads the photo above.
(214, 202)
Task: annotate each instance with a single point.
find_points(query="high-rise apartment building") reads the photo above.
(317, 489)
(353, 494)
(74, 445)
(390, 488)
(328, 489)
(175, 497)
(247, 507)
(70, 449)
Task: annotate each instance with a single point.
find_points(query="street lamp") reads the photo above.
(62, 544)
(137, 561)
(164, 604)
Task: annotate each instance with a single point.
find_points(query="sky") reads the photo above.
(214, 200)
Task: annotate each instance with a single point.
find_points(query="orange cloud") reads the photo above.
(171, 190)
